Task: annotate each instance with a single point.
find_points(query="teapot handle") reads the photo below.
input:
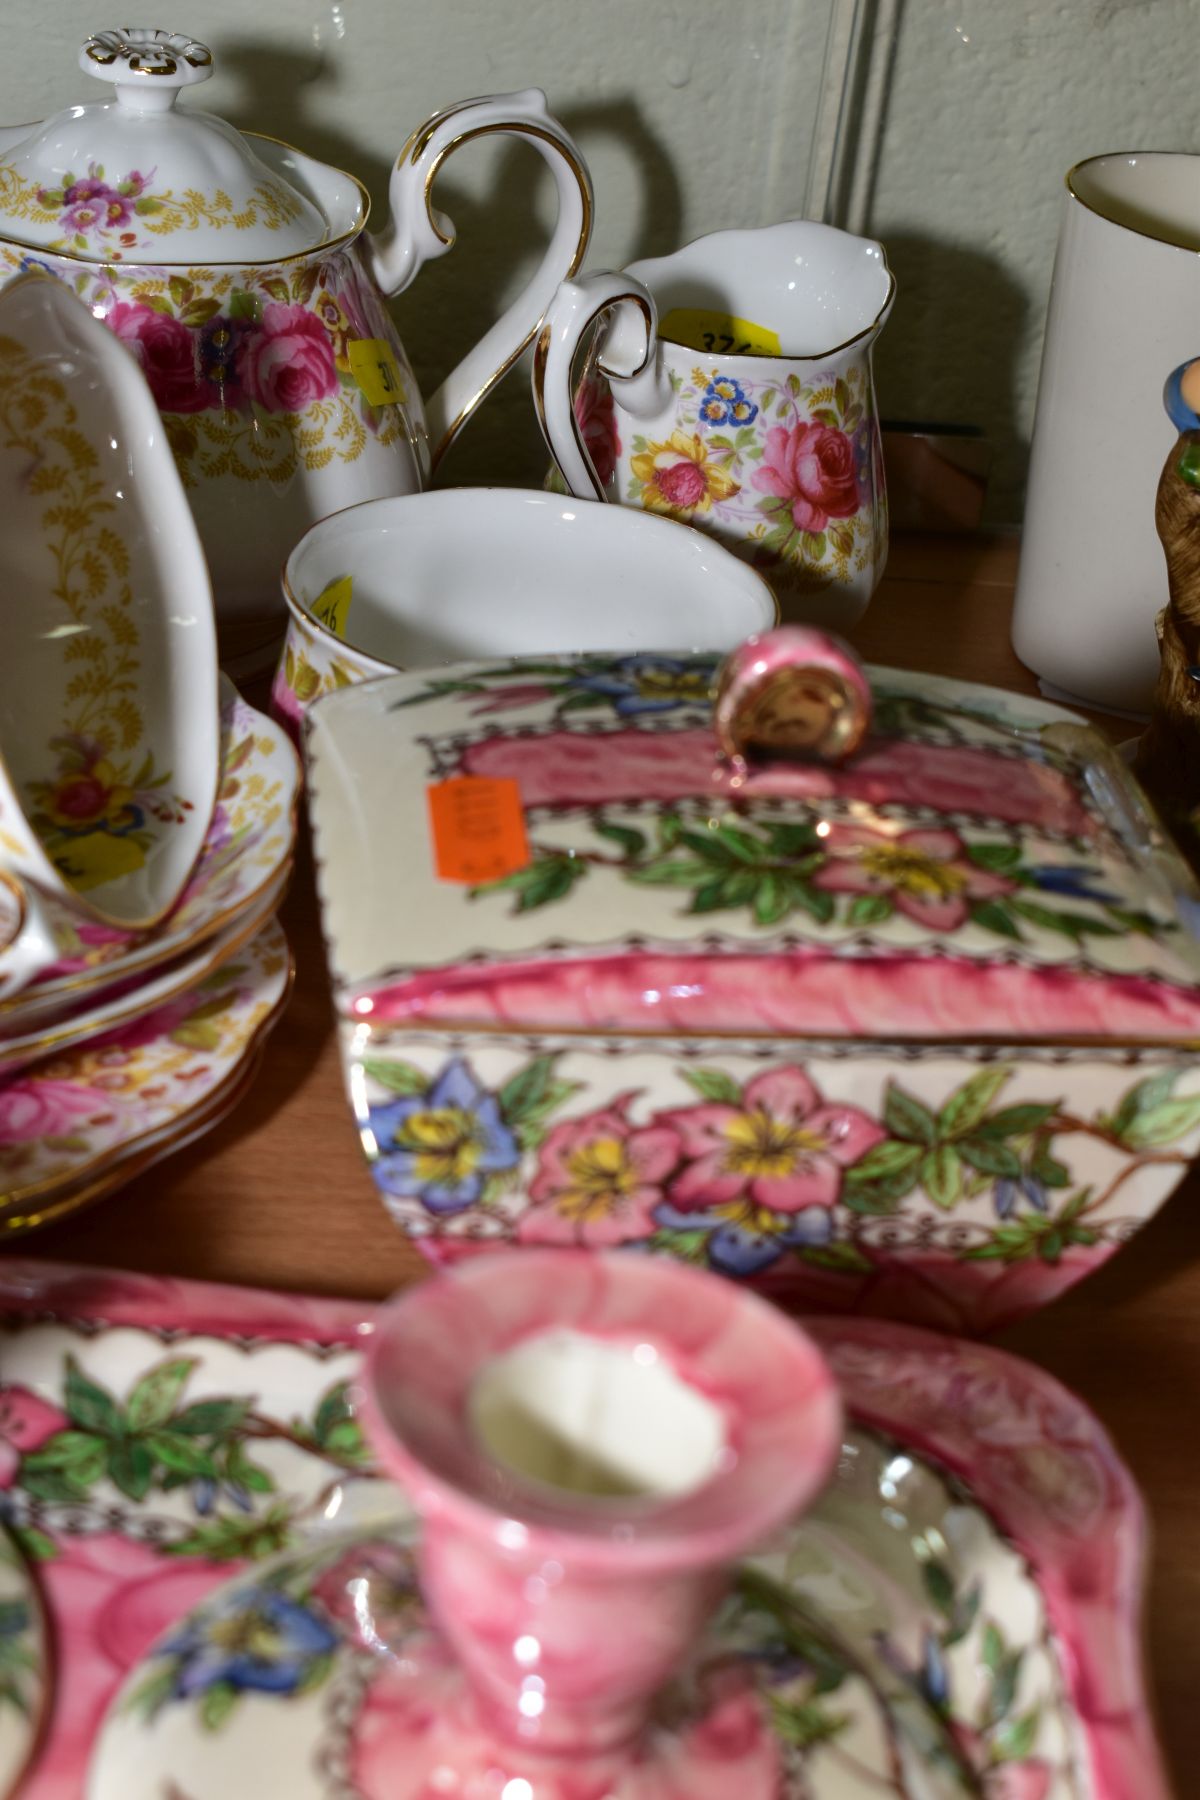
(416, 234)
(628, 360)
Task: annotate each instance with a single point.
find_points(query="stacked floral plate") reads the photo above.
(130, 1043)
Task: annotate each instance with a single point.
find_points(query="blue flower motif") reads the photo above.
(205, 1490)
(439, 1147)
(724, 403)
(736, 1249)
(651, 684)
(1074, 884)
(1009, 1188)
(255, 1639)
(933, 1680)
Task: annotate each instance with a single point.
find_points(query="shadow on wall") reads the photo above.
(957, 330)
(499, 236)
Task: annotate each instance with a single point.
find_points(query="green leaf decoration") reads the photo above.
(941, 1176)
(318, 1670)
(814, 901)
(878, 1199)
(907, 1117)
(211, 1418)
(549, 877)
(151, 1695)
(157, 1394)
(726, 892)
(1068, 924)
(244, 306)
(89, 1405)
(35, 1544)
(1046, 1169)
(840, 1259)
(772, 900)
(217, 1704)
(892, 1157)
(1074, 1206)
(1144, 923)
(787, 839)
(1016, 1121)
(50, 1484)
(397, 1077)
(131, 1468)
(241, 1471)
(989, 1158)
(804, 1723)
(714, 1084)
(1015, 1738)
(1004, 1685)
(1163, 1124)
(869, 909)
(1142, 1097)
(1001, 859)
(966, 1608)
(969, 1103)
(224, 1540)
(992, 1647)
(181, 1455)
(993, 915)
(1050, 1245)
(671, 871)
(939, 1585)
(632, 842)
(686, 1246)
(80, 1456)
(525, 1091)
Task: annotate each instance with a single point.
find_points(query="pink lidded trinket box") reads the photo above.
(880, 997)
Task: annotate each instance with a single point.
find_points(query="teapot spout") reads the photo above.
(416, 233)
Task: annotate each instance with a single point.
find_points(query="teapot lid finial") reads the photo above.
(147, 66)
(131, 177)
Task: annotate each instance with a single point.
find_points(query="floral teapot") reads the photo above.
(239, 273)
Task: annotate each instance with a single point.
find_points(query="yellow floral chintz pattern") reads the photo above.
(91, 805)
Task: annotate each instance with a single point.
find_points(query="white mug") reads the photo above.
(732, 389)
(423, 579)
(1124, 311)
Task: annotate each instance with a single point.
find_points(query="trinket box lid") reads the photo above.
(136, 178)
(567, 843)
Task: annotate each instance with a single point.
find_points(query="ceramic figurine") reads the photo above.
(487, 571)
(1168, 755)
(733, 390)
(239, 273)
(899, 1022)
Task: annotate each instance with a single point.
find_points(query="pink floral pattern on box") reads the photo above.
(963, 1207)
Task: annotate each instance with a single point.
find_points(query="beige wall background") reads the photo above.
(701, 114)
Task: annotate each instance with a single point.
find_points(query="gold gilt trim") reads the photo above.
(1177, 242)
(512, 128)
(17, 1052)
(120, 1169)
(541, 355)
(18, 893)
(230, 1087)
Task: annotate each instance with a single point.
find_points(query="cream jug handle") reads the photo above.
(628, 359)
(416, 234)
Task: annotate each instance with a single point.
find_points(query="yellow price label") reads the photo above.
(333, 603)
(701, 328)
(374, 367)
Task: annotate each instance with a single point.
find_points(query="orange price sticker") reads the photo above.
(478, 827)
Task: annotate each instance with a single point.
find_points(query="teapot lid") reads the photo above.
(136, 178)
